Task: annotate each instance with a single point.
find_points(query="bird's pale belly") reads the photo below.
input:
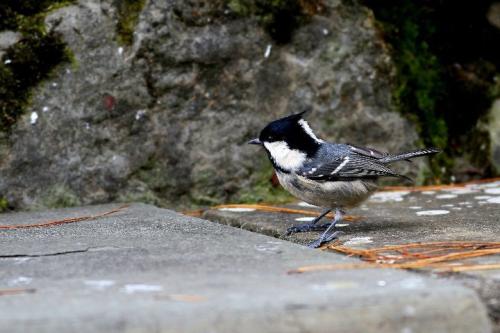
(326, 194)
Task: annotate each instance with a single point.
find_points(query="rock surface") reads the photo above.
(470, 213)
(146, 269)
(166, 119)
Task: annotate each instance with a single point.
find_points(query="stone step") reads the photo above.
(147, 269)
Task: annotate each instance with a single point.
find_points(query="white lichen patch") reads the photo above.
(267, 53)
(460, 191)
(336, 285)
(304, 219)
(305, 204)
(141, 288)
(433, 212)
(33, 118)
(20, 281)
(492, 190)
(237, 210)
(428, 192)
(446, 196)
(482, 197)
(395, 196)
(359, 241)
(99, 284)
(495, 200)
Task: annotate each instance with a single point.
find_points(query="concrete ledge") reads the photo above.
(149, 269)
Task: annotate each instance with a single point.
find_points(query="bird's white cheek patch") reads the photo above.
(284, 157)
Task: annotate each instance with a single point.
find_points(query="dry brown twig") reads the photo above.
(439, 256)
(64, 221)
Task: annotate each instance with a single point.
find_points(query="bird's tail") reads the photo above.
(410, 154)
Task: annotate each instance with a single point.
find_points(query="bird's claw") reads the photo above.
(306, 228)
(324, 239)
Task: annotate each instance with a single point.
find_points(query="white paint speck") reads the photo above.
(358, 241)
(54, 84)
(409, 311)
(45, 109)
(141, 288)
(415, 207)
(412, 283)
(429, 192)
(381, 283)
(448, 205)
(87, 126)
(396, 196)
(304, 219)
(492, 190)
(7, 61)
(494, 200)
(139, 114)
(341, 225)
(33, 118)
(237, 210)
(461, 191)
(446, 196)
(463, 203)
(20, 281)
(99, 284)
(432, 212)
(305, 204)
(268, 51)
(120, 50)
(325, 31)
(457, 208)
(337, 285)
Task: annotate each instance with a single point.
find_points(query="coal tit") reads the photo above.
(329, 175)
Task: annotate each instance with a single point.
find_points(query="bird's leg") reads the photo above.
(329, 233)
(311, 226)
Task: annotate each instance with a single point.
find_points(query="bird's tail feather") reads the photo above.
(410, 154)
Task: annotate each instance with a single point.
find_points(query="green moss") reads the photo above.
(29, 61)
(262, 189)
(128, 15)
(420, 83)
(59, 196)
(446, 63)
(4, 205)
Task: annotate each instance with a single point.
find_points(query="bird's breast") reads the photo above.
(329, 194)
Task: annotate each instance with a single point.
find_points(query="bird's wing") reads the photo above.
(346, 167)
(365, 151)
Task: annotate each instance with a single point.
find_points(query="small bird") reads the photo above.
(329, 175)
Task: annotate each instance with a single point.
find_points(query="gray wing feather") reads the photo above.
(347, 166)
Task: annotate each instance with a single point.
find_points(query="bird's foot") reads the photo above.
(324, 239)
(306, 227)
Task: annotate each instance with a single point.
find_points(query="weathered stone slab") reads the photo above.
(148, 269)
(471, 213)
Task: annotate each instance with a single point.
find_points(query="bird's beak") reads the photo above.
(255, 142)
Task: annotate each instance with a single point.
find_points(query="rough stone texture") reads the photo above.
(493, 14)
(7, 39)
(493, 127)
(166, 120)
(146, 269)
(391, 218)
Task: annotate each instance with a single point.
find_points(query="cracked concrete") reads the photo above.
(149, 269)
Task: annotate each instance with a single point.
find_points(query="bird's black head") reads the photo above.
(294, 131)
